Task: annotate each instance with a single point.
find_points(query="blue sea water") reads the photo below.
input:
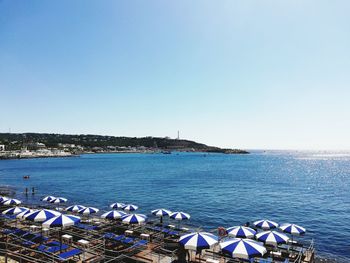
(307, 188)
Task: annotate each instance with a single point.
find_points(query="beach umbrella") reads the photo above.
(265, 224)
(88, 210)
(58, 200)
(293, 229)
(15, 210)
(134, 219)
(3, 198)
(198, 241)
(11, 202)
(130, 207)
(241, 232)
(22, 214)
(41, 215)
(160, 213)
(113, 214)
(75, 208)
(61, 221)
(242, 248)
(272, 238)
(48, 198)
(180, 216)
(117, 205)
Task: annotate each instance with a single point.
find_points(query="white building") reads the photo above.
(2, 147)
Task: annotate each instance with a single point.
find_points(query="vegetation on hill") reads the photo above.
(15, 141)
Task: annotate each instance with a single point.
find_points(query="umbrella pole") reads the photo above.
(61, 239)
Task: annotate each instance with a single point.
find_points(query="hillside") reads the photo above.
(15, 141)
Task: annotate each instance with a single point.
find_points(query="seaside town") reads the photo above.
(36, 145)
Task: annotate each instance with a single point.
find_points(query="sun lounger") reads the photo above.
(141, 243)
(119, 238)
(265, 260)
(69, 254)
(109, 235)
(128, 240)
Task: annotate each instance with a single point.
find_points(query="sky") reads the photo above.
(238, 74)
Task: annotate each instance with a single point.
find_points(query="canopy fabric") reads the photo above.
(199, 240)
(41, 215)
(61, 221)
(130, 207)
(117, 205)
(88, 210)
(15, 210)
(75, 208)
(113, 214)
(272, 238)
(242, 248)
(293, 229)
(161, 212)
(265, 224)
(241, 232)
(134, 219)
(180, 216)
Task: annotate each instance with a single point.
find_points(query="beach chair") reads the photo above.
(119, 238)
(128, 240)
(141, 243)
(69, 254)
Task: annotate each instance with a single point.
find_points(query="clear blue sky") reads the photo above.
(248, 74)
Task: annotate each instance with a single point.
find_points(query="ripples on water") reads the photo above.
(307, 188)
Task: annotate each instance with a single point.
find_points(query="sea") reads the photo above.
(311, 189)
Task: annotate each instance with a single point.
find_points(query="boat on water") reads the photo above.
(166, 152)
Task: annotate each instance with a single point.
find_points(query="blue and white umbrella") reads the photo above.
(113, 214)
(58, 200)
(272, 238)
(180, 216)
(11, 202)
(130, 207)
(134, 219)
(293, 229)
(48, 198)
(242, 248)
(61, 221)
(161, 212)
(15, 210)
(22, 214)
(41, 215)
(199, 240)
(75, 208)
(241, 232)
(117, 205)
(3, 198)
(265, 224)
(88, 211)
